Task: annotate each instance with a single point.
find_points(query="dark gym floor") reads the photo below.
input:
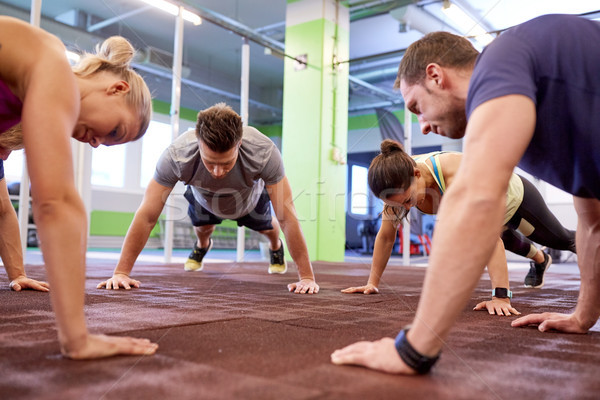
(234, 332)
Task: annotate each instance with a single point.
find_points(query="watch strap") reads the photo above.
(411, 357)
(502, 293)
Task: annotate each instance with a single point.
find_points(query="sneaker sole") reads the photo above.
(190, 267)
(273, 271)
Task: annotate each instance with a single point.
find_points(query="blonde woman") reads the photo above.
(100, 101)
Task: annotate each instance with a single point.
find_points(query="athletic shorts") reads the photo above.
(258, 219)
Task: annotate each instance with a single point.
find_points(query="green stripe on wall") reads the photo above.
(365, 121)
(113, 223)
(162, 107)
(116, 223)
(270, 130)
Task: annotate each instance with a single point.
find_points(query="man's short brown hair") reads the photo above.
(442, 48)
(219, 128)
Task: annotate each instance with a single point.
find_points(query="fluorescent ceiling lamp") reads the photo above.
(193, 18)
(467, 24)
(72, 57)
(174, 10)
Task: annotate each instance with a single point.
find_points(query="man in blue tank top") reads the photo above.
(532, 96)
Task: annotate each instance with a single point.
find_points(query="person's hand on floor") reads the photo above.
(100, 346)
(23, 282)
(117, 281)
(552, 321)
(380, 355)
(497, 306)
(304, 286)
(367, 289)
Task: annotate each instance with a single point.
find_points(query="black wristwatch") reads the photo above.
(502, 293)
(411, 357)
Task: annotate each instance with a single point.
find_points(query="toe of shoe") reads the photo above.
(277, 269)
(191, 265)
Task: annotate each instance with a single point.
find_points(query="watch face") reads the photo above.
(501, 293)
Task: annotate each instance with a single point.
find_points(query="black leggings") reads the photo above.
(547, 230)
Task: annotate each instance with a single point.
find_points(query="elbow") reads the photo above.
(485, 207)
(147, 218)
(287, 221)
(53, 208)
(486, 203)
(50, 204)
(386, 240)
(6, 208)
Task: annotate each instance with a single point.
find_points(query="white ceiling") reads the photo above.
(212, 52)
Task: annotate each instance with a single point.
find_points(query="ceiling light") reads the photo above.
(193, 18)
(468, 25)
(174, 10)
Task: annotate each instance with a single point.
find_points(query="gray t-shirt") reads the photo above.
(235, 195)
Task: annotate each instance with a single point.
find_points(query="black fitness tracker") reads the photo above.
(502, 293)
(411, 357)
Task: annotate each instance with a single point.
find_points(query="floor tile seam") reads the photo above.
(171, 326)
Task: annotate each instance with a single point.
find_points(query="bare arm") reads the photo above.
(10, 246)
(588, 304)
(588, 240)
(35, 65)
(471, 215)
(382, 250)
(143, 222)
(52, 103)
(283, 206)
(469, 225)
(498, 270)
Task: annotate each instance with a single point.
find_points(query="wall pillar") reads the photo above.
(315, 121)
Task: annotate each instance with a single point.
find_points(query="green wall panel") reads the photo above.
(162, 107)
(270, 130)
(113, 223)
(315, 123)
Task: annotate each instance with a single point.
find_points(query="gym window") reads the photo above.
(359, 195)
(108, 166)
(155, 141)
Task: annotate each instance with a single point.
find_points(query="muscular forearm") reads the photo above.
(464, 240)
(297, 248)
(588, 241)
(587, 311)
(134, 243)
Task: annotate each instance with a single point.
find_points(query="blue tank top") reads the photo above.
(436, 171)
(553, 60)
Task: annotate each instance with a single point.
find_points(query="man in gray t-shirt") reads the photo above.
(232, 172)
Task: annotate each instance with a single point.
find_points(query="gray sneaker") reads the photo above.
(535, 276)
